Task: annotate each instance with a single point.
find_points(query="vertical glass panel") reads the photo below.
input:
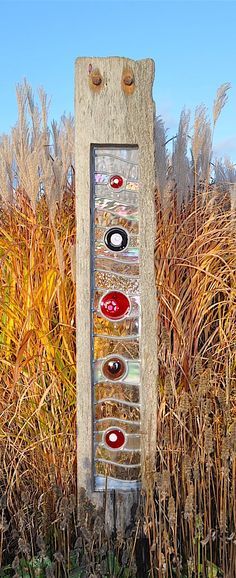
(115, 269)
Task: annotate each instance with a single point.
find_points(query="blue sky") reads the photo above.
(193, 44)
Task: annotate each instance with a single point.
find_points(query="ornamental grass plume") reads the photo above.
(220, 100)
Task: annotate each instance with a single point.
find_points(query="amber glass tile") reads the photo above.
(107, 281)
(108, 409)
(116, 390)
(124, 328)
(117, 471)
(120, 457)
(132, 185)
(105, 346)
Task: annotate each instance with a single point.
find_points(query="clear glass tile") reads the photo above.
(123, 153)
(113, 161)
(131, 254)
(124, 195)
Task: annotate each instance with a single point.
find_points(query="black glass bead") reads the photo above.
(116, 239)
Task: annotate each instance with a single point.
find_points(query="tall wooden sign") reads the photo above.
(116, 294)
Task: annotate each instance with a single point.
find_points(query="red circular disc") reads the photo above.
(115, 305)
(116, 181)
(114, 438)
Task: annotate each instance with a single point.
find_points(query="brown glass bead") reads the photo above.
(114, 368)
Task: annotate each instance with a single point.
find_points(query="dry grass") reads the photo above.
(186, 522)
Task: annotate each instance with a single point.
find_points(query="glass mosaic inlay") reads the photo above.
(116, 318)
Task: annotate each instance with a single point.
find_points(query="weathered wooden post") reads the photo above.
(116, 294)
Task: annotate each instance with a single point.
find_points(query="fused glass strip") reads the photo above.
(105, 219)
(116, 328)
(117, 208)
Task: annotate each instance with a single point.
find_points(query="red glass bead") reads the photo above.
(114, 438)
(116, 181)
(115, 305)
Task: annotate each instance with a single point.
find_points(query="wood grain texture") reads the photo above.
(112, 116)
